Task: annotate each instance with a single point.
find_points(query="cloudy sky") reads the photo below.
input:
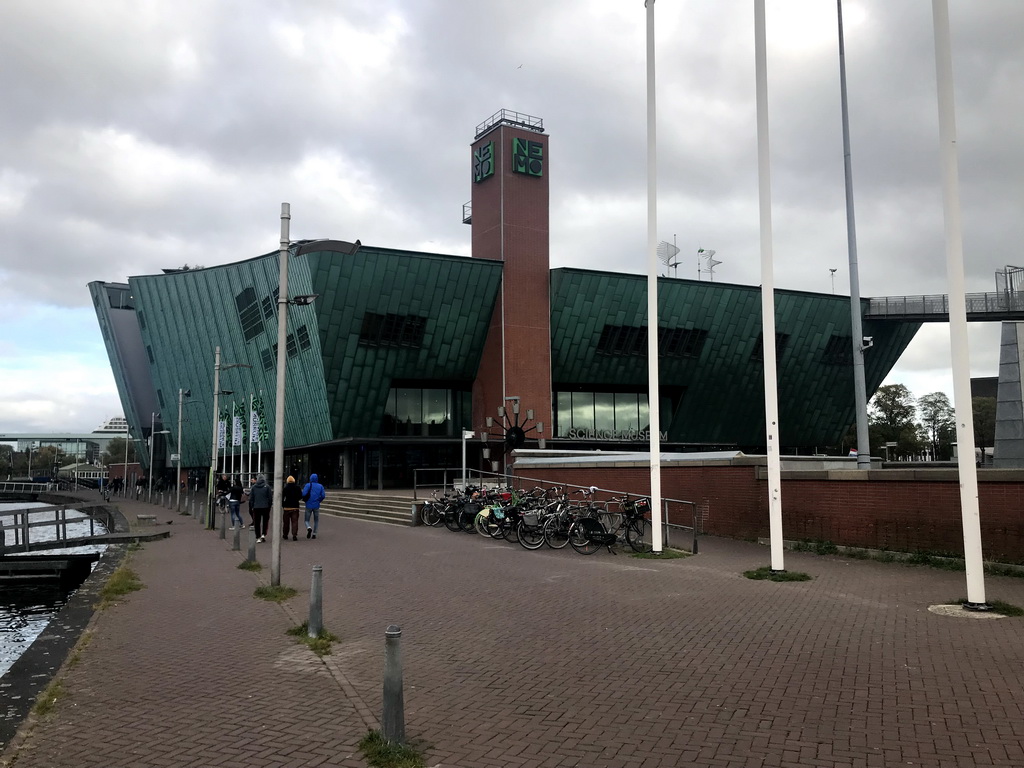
(142, 134)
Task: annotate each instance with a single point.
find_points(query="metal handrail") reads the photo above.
(938, 304)
(506, 479)
(510, 117)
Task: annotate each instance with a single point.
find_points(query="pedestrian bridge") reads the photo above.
(981, 307)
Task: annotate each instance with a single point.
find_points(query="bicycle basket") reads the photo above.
(643, 506)
(531, 519)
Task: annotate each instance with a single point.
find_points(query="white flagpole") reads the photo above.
(653, 377)
(771, 394)
(962, 405)
(248, 448)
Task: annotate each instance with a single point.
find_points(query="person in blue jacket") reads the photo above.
(313, 493)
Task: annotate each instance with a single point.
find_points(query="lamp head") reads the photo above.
(303, 301)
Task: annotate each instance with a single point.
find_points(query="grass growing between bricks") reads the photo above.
(320, 645)
(998, 606)
(276, 594)
(766, 573)
(943, 561)
(250, 565)
(665, 554)
(48, 699)
(121, 582)
(381, 753)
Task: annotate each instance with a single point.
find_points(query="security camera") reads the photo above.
(868, 342)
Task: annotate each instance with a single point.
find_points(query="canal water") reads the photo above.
(26, 610)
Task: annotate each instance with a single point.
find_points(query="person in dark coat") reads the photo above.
(291, 495)
(261, 496)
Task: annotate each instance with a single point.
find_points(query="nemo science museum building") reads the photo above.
(403, 351)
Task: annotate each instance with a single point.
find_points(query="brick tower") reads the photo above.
(510, 224)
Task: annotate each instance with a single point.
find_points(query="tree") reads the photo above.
(891, 420)
(114, 454)
(984, 411)
(939, 424)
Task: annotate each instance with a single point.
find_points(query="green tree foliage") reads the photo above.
(115, 452)
(891, 415)
(937, 420)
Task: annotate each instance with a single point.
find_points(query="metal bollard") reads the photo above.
(252, 547)
(237, 544)
(392, 721)
(224, 524)
(316, 602)
(415, 514)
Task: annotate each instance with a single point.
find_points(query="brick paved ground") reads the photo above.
(547, 658)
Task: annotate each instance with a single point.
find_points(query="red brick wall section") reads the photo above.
(901, 515)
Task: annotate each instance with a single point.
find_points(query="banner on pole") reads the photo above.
(222, 429)
(236, 424)
(258, 417)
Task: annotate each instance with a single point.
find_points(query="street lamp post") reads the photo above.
(282, 340)
(127, 439)
(182, 394)
(466, 435)
(152, 440)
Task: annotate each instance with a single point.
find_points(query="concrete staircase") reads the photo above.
(369, 505)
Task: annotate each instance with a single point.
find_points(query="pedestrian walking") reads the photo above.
(260, 499)
(313, 493)
(235, 494)
(291, 495)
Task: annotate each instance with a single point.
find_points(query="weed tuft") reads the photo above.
(320, 645)
(48, 699)
(250, 565)
(121, 582)
(766, 573)
(998, 606)
(276, 594)
(381, 753)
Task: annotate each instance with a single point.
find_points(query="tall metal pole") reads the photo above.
(177, 477)
(152, 439)
(653, 377)
(962, 405)
(213, 443)
(771, 394)
(860, 391)
(127, 437)
(282, 332)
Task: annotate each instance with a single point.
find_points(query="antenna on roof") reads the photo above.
(667, 252)
(708, 256)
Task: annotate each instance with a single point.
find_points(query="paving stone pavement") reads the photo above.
(537, 659)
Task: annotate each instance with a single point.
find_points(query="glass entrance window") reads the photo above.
(415, 412)
(609, 415)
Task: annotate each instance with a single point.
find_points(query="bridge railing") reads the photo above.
(938, 304)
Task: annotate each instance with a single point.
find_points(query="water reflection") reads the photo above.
(25, 610)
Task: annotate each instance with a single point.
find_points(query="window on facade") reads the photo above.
(838, 351)
(303, 335)
(757, 353)
(268, 359)
(392, 330)
(249, 314)
(149, 352)
(120, 298)
(420, 412)
(603, 415)
(291, 346)
(142, 319)
(160, 397)
(267, 305)
(631, 340)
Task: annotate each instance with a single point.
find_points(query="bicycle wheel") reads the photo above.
(467, 518)
(531, 536)
(430, 514)
(609, 519)
(451, 518)
(638, 535)
(580, 541)
(485, 523)
(556, 535)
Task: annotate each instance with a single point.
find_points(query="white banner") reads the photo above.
(254, 425)
(236, 430)
(222, 431)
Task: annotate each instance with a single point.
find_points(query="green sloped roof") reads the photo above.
(454, 294)
(722, 390)
(184, 316)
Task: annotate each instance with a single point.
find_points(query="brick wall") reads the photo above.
(907, 511)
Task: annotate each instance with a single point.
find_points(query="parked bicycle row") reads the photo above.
(544, 517)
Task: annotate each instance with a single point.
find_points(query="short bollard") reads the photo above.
(316, 602)
(237, 543)
(224, 524)
(392, 721)
(252, 546)
(415, 519)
